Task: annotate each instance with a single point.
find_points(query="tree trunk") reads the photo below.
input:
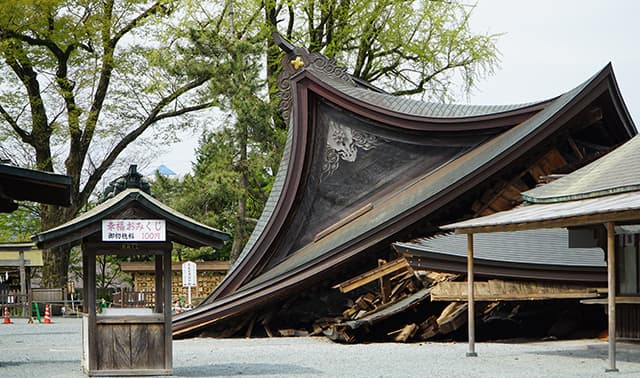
(273, 57)
(239, 232)
(55, 268)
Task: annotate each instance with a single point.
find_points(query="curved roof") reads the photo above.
(520, 129)
(428, 110)
(617, 172)
(406, 112)
(423, 190)
(180, 228)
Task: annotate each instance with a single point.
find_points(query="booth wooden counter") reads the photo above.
(129, 341)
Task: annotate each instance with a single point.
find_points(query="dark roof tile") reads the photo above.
(545, 246)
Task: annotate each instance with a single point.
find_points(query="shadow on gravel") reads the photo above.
(243, 369)
(593, 353)
(43, 332)
(37, 362)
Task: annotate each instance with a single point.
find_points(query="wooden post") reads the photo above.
(159, 293)
(470, 301)
(85, 274)
(91, 300)
(385, 284)
(23, 284)
(168, 336)
(611, 294)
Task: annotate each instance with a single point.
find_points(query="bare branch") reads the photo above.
(185, 110)
(25, 136)
(157, 8)
(153, 117)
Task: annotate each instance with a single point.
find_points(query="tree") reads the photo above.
(211, 195)
(90, 77)
(247, 147)
(18, 226)
(405, 47)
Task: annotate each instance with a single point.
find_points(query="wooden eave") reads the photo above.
(511, 270)
(176, 266)
(18, 246)
(307, 81)
(23, 184)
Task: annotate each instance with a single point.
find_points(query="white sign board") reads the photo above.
(134, 230)
(189, 274)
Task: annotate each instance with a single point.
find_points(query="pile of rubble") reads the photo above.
(397, 303)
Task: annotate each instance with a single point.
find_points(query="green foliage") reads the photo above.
(204, 204)
(89, 77)
(407, 47)
(419, 47)
(19, 225)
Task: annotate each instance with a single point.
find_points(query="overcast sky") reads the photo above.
(547, 48)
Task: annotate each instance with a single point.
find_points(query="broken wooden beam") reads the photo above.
(372, 275)
(498, 290)
(452, 317)
(406, 332)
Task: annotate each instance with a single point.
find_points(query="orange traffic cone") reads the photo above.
(6, 316)
(47, 315)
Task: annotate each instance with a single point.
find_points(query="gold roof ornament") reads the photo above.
(297, 63)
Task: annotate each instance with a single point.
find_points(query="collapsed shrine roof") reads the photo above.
(362, 169)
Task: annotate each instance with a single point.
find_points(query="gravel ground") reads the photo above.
(54, 350)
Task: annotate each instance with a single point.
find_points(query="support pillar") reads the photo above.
(611, 294)
(23, 286)
(470, 300)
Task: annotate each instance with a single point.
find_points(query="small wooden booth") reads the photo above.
(129, 341)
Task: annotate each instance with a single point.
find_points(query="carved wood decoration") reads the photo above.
(291, 65)
(355, 161)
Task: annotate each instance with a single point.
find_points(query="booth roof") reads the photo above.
(179, 224)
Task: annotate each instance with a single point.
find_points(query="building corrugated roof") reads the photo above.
(545, 246)
(617, 172)
(623, 206)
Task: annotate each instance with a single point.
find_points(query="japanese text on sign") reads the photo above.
(134, 230)
(189, 274)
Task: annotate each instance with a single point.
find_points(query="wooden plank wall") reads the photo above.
(130, 346)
